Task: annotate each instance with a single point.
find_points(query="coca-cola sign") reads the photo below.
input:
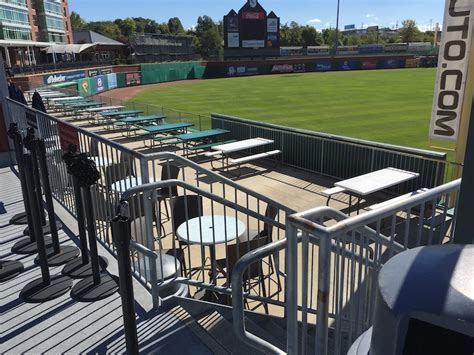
(247, 15)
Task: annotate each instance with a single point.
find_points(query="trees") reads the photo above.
(311, 37)
(77, 22)
(175, 26)
(409, 31)
(208, 38)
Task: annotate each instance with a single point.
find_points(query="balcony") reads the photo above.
(315, 284)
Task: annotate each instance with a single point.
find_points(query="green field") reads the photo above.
(391, 106)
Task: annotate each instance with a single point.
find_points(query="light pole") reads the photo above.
(336, 41)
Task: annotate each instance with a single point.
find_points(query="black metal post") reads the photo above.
(37, 227)
(99, 285)
(336, 44)
(58, 255)
(81, 221)
(121, 234)
(21, 218)
(86, 192)
(463, 233)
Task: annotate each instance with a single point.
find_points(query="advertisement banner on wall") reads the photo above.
(100, 83)
(68, 135)
(63, 77)
(299, 68)
(233, 40)
(393, 63)
(250, 15)
(96, 72)
(323, 66)
(282, 68)
(253, 44)
(84, 87)
(112, 80)
(233, 24)
(411, 63)
(348, 65)
(369, 64)
(242, 71)
(272, 25)
(272, 40)
(133, 79)
(452, 70)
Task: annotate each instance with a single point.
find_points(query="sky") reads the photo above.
(318, 13)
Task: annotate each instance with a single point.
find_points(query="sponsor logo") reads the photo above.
(85, 86)
(282, 68)
(246, 15)
(63, 77)
(452, 70)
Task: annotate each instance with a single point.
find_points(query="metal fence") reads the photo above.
(333, 263)
(153, 208)
(340, 157)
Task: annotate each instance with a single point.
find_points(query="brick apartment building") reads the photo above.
(28, 25)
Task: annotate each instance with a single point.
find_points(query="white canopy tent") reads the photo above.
(68, 48)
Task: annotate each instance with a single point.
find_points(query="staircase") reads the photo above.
(206, 328)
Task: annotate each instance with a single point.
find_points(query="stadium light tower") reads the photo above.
(336, 41)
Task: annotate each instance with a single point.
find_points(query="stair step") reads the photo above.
(190, 323)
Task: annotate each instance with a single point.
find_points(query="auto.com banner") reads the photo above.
(452, 70)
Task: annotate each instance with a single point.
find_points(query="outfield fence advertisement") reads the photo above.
(452, 70)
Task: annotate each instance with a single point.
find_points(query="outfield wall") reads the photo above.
(92, 81)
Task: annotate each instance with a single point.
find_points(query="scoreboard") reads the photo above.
(251, 28)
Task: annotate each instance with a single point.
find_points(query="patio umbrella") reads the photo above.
(12, 90)
(20, 97)
(37, 102)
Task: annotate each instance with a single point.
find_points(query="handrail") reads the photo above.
(179, 183)
(237, 296)
(164, 156)
(304, 220)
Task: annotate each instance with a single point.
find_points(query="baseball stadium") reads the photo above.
(255, 198)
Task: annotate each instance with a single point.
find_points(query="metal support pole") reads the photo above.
(86, 192)
(99, 285)
(336, 44)
(37, 227)
(18, 144)
(464, 221)
(59, 255)
(45, 288)
(322, 317)
(81, 221)
(121, 233)
(292, 289)
(40, 153)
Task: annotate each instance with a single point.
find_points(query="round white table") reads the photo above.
(210, 231)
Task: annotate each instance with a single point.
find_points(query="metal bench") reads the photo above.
(332, 191)
(250, 158)
(208, 146)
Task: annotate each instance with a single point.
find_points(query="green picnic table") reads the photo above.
(131, 123)
(84, 105)
(115, 114)
(164, 128)
(142, 119)
(199, 136)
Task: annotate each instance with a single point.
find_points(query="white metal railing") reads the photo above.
(220, 196)
(333, 262)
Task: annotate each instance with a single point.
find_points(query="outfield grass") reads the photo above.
(391, 106)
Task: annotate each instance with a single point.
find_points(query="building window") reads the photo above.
(13, 16)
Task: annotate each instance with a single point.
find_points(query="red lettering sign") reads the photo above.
(246, 15)
(67, 135)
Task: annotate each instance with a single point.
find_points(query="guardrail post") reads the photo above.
(292, 289)
(322, 317)
(150, 240)
(121, 234)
